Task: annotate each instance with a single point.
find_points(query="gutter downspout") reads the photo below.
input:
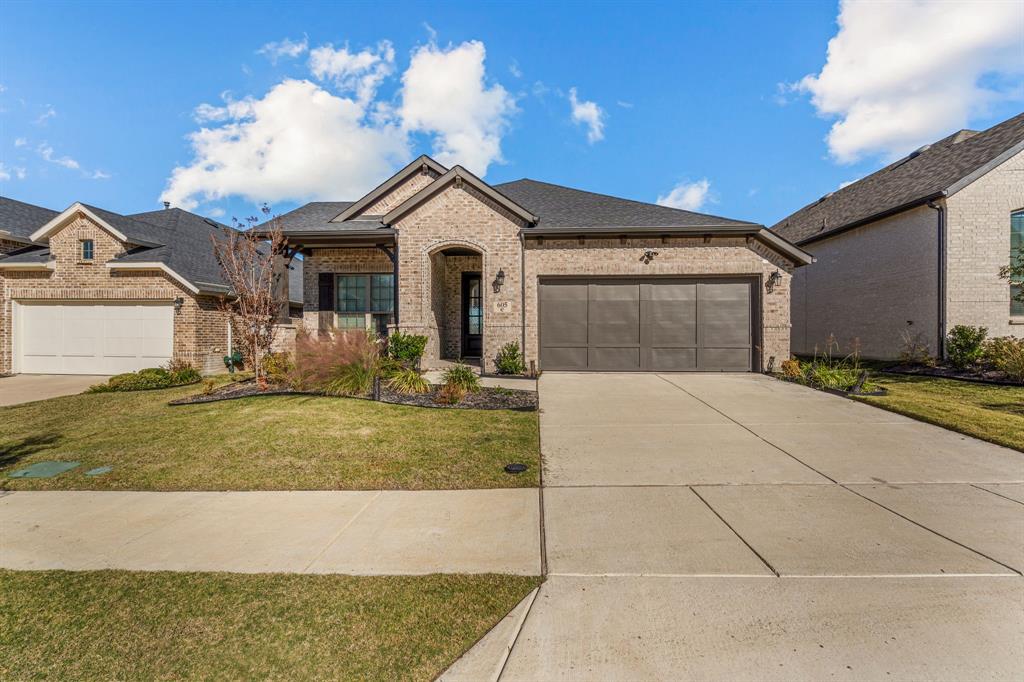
(941, 312)
(522, 295)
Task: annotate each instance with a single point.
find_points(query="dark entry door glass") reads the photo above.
(472, 315)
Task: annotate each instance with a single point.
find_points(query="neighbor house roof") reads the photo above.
(934, 171)
(172, 239)
(19, 220)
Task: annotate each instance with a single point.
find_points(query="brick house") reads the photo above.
(581, 281)
(914, 249)
(90, 291)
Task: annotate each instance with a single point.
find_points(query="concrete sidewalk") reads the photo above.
(360, 533)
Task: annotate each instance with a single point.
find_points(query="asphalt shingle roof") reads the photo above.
(555, 205)
(931, 171)
(20, 220)
(177, 238)
(559, 206)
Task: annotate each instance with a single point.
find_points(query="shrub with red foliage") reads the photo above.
(322, 360)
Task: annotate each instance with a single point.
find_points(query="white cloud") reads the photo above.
(689, 196)
(215, 212)
(444, 93)
(359, 72)
(624, 104)
(49, 113)
(904, 73)
(98, 175)
(514, 69)
(337, 138)
(20, 142)
(588, 114)
(297, 142)
(284, 48)
(46, 151)
(7, 172)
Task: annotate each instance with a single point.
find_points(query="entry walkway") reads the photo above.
(361, 533)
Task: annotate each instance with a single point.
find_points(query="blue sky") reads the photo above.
(98, 100)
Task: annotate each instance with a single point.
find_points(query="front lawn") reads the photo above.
(989, 412)
(163, 626)
(264, 443)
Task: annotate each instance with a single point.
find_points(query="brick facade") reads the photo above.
(978, 244)
(7, 245)
(859, 288)
(200, 329)
(879, 283)
(459, 230)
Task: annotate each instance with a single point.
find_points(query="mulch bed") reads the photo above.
(982, 375)
(485, 399)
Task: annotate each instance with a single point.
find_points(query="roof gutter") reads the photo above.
(923, 201)
(773, 241)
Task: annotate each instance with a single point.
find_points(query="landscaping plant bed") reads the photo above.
(485, 399)
(985, 375)
(874, 391)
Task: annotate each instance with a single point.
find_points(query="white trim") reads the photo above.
(49, 228)
(15, 337)
(132, 265)
(48, 265)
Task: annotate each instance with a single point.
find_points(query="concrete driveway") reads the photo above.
(737, 527)
(26, 388)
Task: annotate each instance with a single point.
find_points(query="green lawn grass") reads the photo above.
(264, 443)
(989, 412)
(119, 625)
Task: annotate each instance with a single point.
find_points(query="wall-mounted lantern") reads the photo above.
(499, 280)
(773, 279)
(648, 256)
(178, 302)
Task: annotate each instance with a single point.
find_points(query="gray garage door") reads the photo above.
(658, 325)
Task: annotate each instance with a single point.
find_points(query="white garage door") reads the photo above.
(92, 338)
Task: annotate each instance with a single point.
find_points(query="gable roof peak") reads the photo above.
(421, 164)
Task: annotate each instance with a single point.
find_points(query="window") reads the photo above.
(365, 302)
(87, 249)
(1016, 250)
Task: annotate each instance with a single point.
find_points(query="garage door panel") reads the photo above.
(93, 338)
(670, 313)
(725, 359)
(725, 313)
(614, 359)
(563, 315)
(564, 357)
(673, 359)
(614, 315)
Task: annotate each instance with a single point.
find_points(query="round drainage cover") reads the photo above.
(515, 468)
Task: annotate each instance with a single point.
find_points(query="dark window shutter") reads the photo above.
(325, 299)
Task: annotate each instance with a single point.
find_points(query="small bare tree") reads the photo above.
(246, 256)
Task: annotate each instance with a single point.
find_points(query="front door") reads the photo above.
(472, 315)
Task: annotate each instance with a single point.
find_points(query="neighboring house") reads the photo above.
(18, 221)
(581, 281)
(96, 292)
(914, 249)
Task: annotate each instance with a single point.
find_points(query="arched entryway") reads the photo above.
(457, 300)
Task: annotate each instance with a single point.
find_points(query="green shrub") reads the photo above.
(406, 348)
(462, 376)
(150, 378)
(510, 359)
(964, 345)
(407, 380)
(1006, 354)
(355, 378)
